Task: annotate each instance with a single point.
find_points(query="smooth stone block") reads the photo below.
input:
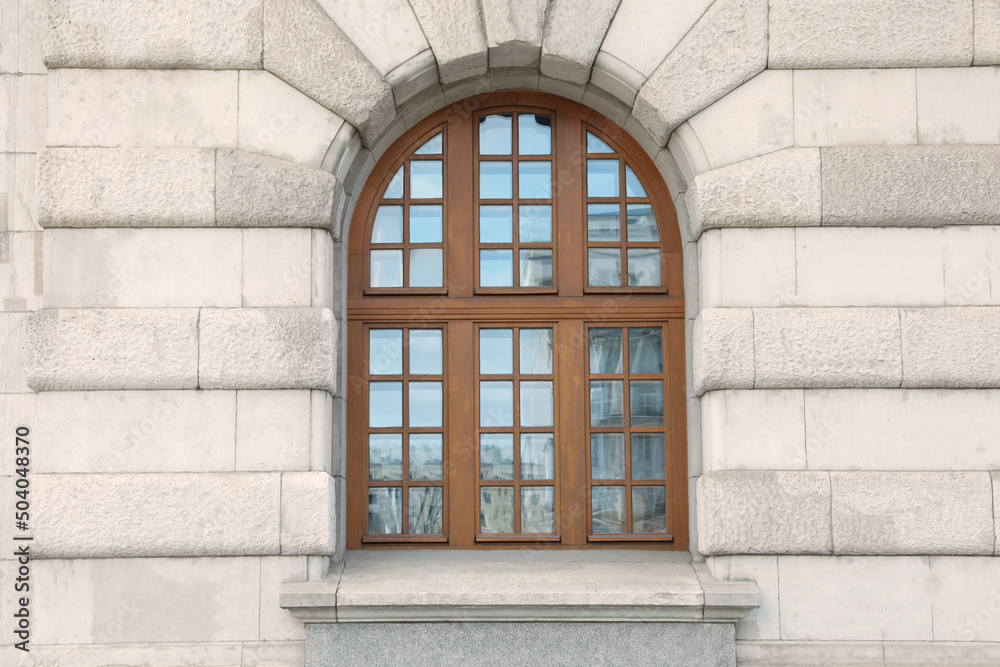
(277, 267)
(385, 31)
(959, 105)
(748, 267)
(13, 328)
(757, 429)
(273, 430)
(277, 624)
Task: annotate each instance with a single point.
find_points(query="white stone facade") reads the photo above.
(177, 182)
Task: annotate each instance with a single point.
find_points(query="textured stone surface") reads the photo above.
(855, 599)
(514, 31)
(135, 431)
(129, 268)
(386, 31)
(753, 430)
(951, 347)
(277, 120)
(211, 34)
(900, 513)
(694, 644)
(916, 186)
(616, 78)
(164, 108)
(987, 29)
(723, 350)
(302, 45)
(166, 514)
(573, 33)
(725, 48)
(135, 348)
(308, 514)
(906, 429)
(959, 105)
(272, 430)
(869, 33)
(260, 191)
(855, 107)
(114, 600)
(267, 348)
(643, 32)
(826, 347)
(744, 512)
(781, 189)
(455, 31)
(126, 187)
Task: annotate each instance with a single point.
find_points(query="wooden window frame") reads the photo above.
(570, 307)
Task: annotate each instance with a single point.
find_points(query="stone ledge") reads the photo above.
(413, 586)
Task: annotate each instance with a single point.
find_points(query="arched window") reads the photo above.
(515, 336)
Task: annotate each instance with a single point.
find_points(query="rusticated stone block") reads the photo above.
(913, 186)
(724, 49)
(903, 513)
(306, 48)
(826, 347)
(126, 187)
(145, 515)
(209, 34)
(805, 34)
(750, 512)
(267, 348)
(129, 348)
(951, 347)
(514, 31)
(260, 191)
(455, 31)
(573, 33)
(308, 514)
(723, 350)
(778, 189)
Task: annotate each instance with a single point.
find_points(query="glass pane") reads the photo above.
(425, 351)
(395, 187)
(385, 404)
(496, 224)
(496, 351)
(496, 180)
(388, 225)
(607, 403)
(387, 268)
(426, 181)
(536, 268)
(645, 351)
(496, 268)
(608, 509)
(425, 267)
(646, 402)
(496, 509)
(425, 223)
(538, 456)
(426, 404)
(595, 145)
(385, 511)
(538, 509)
(604, 267)
(643, 267)
(426, 510)
(603, 222)
(648, 456)
(385, 456)
(535, 351)
(607, 456)
(426, 461)
(649, 509)
(633, 188)
(534, 134)
(605, 351)
(496, 403)
(432, 147)
(534, 180)
(536, 403)
(495, 134)
(602, 178)
(640, 223)
(385, 352)
(496, 456)
(534, 223)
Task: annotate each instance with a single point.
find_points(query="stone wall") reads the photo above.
(176, 186)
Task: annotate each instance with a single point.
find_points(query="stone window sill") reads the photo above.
(529, 585)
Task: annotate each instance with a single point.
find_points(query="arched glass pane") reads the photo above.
(388, 227)
(633, 188)
(432, 147)
(495, 136)
(595, 145)
(395, 189)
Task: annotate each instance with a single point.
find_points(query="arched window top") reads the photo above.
(542, 197)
